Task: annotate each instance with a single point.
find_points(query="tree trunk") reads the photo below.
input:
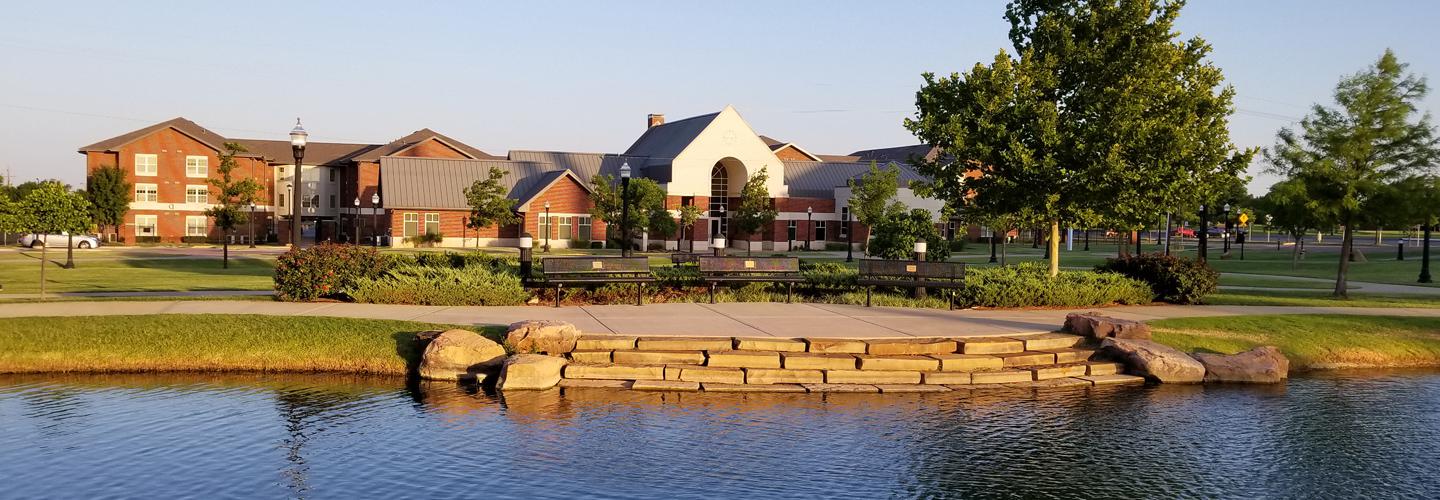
(1138, 249)
(1054, 246)
(1004, 248)
(44, 251)
(225, 244)
(1295, 253)
(1425, 256)
(70, 251)
(1347, 242)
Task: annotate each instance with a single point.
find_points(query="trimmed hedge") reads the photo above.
(325, 271)
(441, 286)
(1174, 280)
(1029, 285)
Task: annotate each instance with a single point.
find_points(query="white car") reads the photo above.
(59, 240)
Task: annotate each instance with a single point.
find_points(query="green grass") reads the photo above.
(20, 273)
(1305, 298)
(206, 342)
(1312, 341)
(1275, 282)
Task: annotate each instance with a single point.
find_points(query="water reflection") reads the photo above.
(337, 436)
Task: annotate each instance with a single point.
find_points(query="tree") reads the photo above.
(1344, 155)
(895, 237)
(755, 210)
(1288, 204)
(489, 205)
(232, 199)
(51, 208)
(689, 215)
(646, 197)
(872, 197)
(1102, 111)
(109, 196)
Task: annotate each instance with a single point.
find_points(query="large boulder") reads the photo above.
(1261, 365)
(542, 336)
(459, 355)
(530, 372)
(1099, 326)
(1155, 361)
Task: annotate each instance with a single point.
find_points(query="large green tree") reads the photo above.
(489, 205)
(872, 196)
(689, 215)
(232, 198)
(1103, 113)
(1345, 154)
(756, 209)
(646, 197)
(1288, 206)
(51, 208)
(109, 194)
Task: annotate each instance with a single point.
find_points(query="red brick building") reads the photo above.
(414, 185)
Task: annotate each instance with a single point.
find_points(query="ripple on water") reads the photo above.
(1342, 435)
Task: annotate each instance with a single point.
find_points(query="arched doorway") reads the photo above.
(719, 199)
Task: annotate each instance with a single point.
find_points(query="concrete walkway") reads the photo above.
(1354, 286)
(728, 320)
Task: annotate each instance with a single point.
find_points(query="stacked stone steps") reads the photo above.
(725, 364)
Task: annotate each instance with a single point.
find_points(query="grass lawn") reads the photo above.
(210, 342)
(1312, 341)
(20, 273)
(1276, 282)
(1317, 298)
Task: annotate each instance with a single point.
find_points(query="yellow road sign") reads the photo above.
(1244, 218)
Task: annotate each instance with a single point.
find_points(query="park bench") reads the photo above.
(580, 271)
(910, 274)
(683, 258)
(715, 270)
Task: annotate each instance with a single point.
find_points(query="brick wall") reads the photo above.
(789, 153)
(430, 148)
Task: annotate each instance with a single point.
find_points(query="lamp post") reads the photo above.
(252, 223)
(547, 227)
(297, 146)
(920, 248)
(849, 237)
(1425, 255)
(356, 215)
(1087, 240)
(1204, 244)
(810, 219)
(624, 211)
(718, 245)
(1226, 234)
(526, 264)
(992, 246)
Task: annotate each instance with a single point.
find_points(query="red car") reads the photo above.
(1184, 232)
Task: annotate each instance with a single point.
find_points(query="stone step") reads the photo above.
(871, 377)
(752, 388)
(946, 378)
(593, 357)
(843, 346)
(1113, 379)
(1049, 341)
(658, 357)
(968, 362)
(1059, 371)
(743, 359)
(1001, 377)
(840, 388)
(817, 361)
(903, 388)
(664, 385)
(685, 343)
(580, 383)
(990, 345)
(1104, 368)
(604, 343)
(712, 375)
(770, 344)
(614, 372)
(899, 363)
(783, 376)
(883, 347)
(1071, 354)
(1027, 358)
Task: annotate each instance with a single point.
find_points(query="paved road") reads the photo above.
(734, 319)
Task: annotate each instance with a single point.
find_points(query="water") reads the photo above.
(1334, 436)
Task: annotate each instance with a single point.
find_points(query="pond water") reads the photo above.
(1337, 436)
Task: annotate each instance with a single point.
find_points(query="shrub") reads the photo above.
(1174, 280)
(441, 286)
(958, 245)
(426, 239)
(1029, 285)
(894, 237)
(325, 270)
(828, 276)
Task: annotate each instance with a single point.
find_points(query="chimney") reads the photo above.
(653, 120)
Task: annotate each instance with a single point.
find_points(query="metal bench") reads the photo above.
(682, 258)
(910, 274)
(562, 271)
(716, 270)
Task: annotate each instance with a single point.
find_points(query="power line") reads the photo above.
(153, 121)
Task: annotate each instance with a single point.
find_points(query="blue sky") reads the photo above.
(832, 76)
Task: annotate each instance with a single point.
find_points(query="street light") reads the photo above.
(849, 237)
(252, 223)
(1226, 234)
(992, 245)
(624, 210)
(356, 216)
(810, 219)
(1204, 243)
(547, 227)
(297, 146)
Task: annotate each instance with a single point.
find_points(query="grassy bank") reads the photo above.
(1316, 298)
(1312, 341)
(20, 273)
(209, 342)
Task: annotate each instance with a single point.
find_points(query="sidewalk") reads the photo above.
(725, 320)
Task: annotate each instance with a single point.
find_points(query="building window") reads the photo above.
(582, 225)
(148, 165)
(196, 225)
(432, 223)
(844, 227)
(820, 231)
(332, 175)
(197, 194)
(412, 225)
(147, 192)
(565, 227)
(282, 199)
(145, 225)
(790, 230)
(719, 190)
(332, 201)
(197, 166)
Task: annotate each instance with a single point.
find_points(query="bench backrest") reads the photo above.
(882, 268)
(678, 258)
(748, 265)
(595, 266)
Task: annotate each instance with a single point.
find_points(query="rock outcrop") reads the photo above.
(459, 355)
(1099, 326)
(1261, 365)
(542, 336)
(530, 372)
(1155, 361)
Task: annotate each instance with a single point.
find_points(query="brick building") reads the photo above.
(414, 185)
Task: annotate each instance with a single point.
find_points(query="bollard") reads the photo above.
(920, 248)
(526, 265)
(1400, 250)
(719, 246)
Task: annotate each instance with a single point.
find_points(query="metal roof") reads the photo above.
(816, 179)
(439, 183)
(668, 140)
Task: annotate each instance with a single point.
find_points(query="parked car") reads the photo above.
(1183, 232)
(1217, 231)
(59, 240)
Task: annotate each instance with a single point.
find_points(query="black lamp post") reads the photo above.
(849, 237)
(1226, 234)
(624, 211)
(1204, 244)
(547, 227)
(356, 216)
(375, 219)
(252, 223)
(297, 146)
(992, 246)
(1425, 256)
(1087, 240)
(810, 217)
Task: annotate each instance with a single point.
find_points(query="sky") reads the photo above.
(832, 76)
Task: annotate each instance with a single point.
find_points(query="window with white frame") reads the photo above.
(582, 228)
(432, 223)
(147, 192)
(790, 230)
(566, 226)
(148, 165)
(820, 231)
(197, 194)
(197, 166)
(145, 225)
(412, 225)
(332, 201)
(197, 225)
(844, 227)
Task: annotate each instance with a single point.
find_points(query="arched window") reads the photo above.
(719, 193)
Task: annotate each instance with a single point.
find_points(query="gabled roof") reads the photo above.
(668, 140)
(814, 179)
(776, 145)
(899, 154)
(544, 183)
(418, 137)
(587, 165)
(439, 183)
(213, 140)
(316, 153)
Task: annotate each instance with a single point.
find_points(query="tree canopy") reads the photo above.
(646, 197)
(489, 205)
(232, 197)
(755, 210)
(109, 194)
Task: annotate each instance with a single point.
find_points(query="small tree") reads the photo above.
(872, 198)
(109, 195)
(755, 210)
(689, 215)
(895, 237)
(488, 204)
(646, 196)
(51, 208)
(1345, 155)
(232, 199)
(1288, 205)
